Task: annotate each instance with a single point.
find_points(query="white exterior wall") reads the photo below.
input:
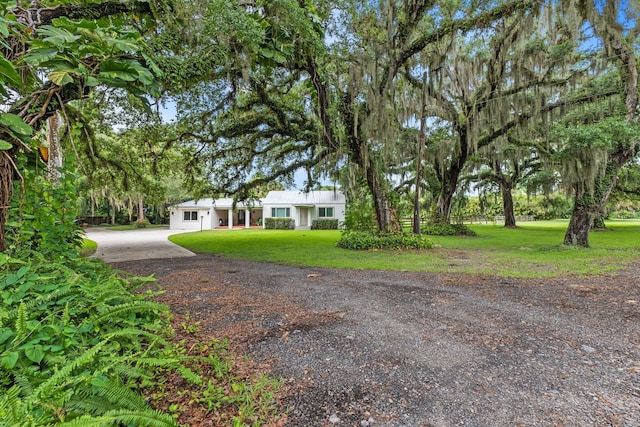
(177, 221)
(338, 212)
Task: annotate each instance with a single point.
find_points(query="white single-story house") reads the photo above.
(208, 214)
(301, 207)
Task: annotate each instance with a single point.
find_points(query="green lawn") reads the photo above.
(88, 248)
(533, 250)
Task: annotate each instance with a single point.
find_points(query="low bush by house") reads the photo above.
(279, 224)
(324, 224)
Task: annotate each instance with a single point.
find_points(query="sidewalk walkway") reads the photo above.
(130, 245)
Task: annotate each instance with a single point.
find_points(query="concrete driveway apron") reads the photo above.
(130, 245)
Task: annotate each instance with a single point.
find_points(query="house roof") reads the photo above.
(207, 203)
(299, 198)
(289, 198)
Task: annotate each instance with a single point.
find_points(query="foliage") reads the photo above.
(43, 218)
(75, 343)
(279, 224)
(50, 60)
(324, 224)
(446, 229)
(363, 240)
(551, 206)
(359, 215)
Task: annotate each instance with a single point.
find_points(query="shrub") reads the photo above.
(444, 229)
(142, 224)
(622, 214)
(279, 224)
(324, 224)
(360, 216)
(363, 240)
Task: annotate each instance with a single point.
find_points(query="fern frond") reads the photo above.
(21, 322)
(90, 405)
(22, 382)
(63, 375)
(148, 418)
(122, 396)
(130, 307)
(189, 375)
(138, 333)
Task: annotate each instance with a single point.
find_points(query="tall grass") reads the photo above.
(533, 250)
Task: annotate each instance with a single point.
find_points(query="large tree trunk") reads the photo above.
(578, 230)
(577, 233)
(449, 180)
(141, 210)
(381, 203)
(507, 205)
(442, 212)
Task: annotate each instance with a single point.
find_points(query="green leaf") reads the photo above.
(8, 73)
(4, 29)
(35, 353)
(38, 56)
(57, 36)
(5, 335)
(151, 65)
(60, 78)
(64, 22)
(15, 123)
(118, 70)
(4, 145)
(125, 45)
(10, 360)
(92, 81)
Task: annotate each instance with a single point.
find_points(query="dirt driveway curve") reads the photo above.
(375, 348)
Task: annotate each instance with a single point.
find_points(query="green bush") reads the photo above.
(143, 224)
(622, 214)
(363, 240)
(324, 224)
(360, 216)
(279, 224)
(444, 229)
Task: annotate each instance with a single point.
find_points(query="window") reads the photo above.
(325, 212)
(281, 212)
(190, 216)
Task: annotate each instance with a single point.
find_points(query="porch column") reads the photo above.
(309, 211)
(230, 218)
(247, 218)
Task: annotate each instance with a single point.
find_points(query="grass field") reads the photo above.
(533, 250)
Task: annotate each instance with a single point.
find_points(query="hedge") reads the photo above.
(324, 224)
(279, 224)
(363, 240)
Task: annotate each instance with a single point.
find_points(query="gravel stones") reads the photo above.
(417, 349)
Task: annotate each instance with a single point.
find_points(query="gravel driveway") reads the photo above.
(375, 348)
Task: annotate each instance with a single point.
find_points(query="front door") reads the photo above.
(303, 215)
